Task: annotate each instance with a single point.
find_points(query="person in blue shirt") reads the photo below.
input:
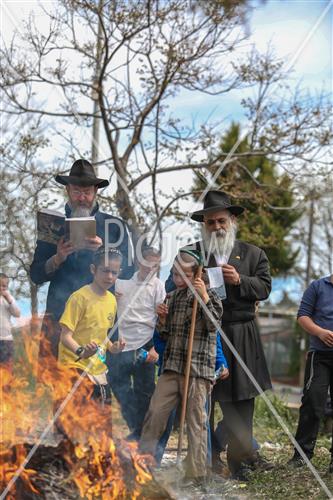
(315, 316)
(159, 345)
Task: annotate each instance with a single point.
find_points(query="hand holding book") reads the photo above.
(92, 243)
(64, 249)
(53, 228)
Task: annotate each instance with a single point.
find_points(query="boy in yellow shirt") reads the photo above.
(89, 314)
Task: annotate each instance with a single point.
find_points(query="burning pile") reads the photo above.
(96, 466)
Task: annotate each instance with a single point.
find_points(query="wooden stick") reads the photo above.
(187, 372)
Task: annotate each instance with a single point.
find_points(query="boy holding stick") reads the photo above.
(174, 325)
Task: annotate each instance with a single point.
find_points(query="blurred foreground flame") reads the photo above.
(90, 452)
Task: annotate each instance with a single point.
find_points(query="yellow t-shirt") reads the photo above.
(89, 316)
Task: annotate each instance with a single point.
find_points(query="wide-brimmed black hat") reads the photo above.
(214, 201)
(82, 174)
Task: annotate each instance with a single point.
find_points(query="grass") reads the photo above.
(283, 481)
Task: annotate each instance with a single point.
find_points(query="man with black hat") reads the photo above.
(66, 269)
(247, 280)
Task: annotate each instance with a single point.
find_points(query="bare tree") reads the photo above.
(314, 233)
(23, 190)
(121, 64)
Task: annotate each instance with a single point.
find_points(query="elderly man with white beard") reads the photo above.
(247, 280)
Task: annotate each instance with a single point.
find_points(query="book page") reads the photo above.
(77, 229)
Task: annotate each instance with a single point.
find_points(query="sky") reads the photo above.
(300, 31)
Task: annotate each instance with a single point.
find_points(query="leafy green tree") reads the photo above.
(254, 181)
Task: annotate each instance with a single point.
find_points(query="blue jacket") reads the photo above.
(75, 271)
(159, 345)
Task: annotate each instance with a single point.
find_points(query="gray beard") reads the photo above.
(219, 242)
(81, 211)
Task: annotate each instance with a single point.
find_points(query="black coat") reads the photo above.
(239, 323)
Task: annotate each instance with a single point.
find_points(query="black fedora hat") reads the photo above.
(214, 201)
(82, 174)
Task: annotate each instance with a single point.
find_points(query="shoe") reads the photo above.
(296, 461)
(241, 474)
(217, 465)
(133, 436)
(260, 463)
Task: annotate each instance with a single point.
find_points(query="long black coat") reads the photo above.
(239, 323)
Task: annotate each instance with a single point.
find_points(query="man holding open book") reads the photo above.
(65, 263)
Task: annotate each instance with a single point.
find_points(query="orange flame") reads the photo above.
(91, 454)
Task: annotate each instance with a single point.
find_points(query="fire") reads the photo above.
(98, 466)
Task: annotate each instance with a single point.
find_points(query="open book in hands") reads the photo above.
(52, 225)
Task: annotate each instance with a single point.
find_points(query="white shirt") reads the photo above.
(222, 259)
(6, 311)
(137, 309)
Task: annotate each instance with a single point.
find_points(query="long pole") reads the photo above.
(187, 372)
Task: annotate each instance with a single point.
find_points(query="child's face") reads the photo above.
(150, 264)
(3, 285)
(106, 273)
(178, 274)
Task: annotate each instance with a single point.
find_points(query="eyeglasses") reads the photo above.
(80, 192)
(211, 222)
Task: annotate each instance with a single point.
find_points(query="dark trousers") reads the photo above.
(7, 352)
(317, 379)
(238, 419)
(133, 384)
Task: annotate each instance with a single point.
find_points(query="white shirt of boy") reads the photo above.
(136, 309)
(6, 311)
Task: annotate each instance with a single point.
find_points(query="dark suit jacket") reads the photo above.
(252, 265)
(75, 271)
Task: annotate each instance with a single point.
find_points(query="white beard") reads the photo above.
(221, 242)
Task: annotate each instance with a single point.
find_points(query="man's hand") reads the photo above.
(64, 249)
(92, 243)
(200, 287)
(152, 356)
(117, 346)
(230, 275)
(89, 350)
(327, 337)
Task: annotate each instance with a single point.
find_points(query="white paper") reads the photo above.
(216, 281)
(215, 277)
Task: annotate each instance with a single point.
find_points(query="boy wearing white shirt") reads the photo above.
(132, 380)
(8, 308)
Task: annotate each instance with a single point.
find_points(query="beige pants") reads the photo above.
(168, 393)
